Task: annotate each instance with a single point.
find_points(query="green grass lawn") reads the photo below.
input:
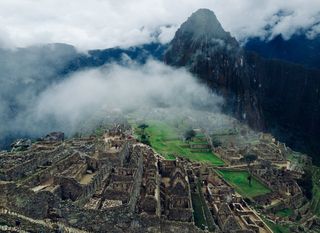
(284, 213)
(239, 180)
(167, 141)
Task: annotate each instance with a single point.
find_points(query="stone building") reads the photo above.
(175, 191)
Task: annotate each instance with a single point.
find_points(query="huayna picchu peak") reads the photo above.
(203, 24)
(200, 36)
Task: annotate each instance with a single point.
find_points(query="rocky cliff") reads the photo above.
(271, 95)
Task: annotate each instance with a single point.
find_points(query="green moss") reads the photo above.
(239, 180)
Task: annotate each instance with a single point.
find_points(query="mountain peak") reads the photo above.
(200, 36)
(204, 22)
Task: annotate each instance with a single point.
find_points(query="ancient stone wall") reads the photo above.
(94, 184)
(25, 201)
(136, 184)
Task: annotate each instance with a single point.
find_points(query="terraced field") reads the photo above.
(168, 141)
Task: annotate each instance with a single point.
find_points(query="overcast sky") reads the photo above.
(90, 24)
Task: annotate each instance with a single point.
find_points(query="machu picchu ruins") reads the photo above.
(143, 117)
(114, 183)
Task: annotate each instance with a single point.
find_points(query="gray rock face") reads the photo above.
(204, 23)
(200, 37)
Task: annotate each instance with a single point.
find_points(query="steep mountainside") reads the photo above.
(268, 94)
(298, 49)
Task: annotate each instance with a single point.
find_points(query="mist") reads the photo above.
(84, 99)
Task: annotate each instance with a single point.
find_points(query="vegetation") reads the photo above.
(216, 142)
(189, 134)
(277, 228)
(315, 202)
(287, 212)
(167, 141)
(198, 213)
(306, 183)
(239, 180)
(202, 215)
(144, 138)
(310, 184)
(143, 127)
(249, 158)
(206, 211)
(99, 131)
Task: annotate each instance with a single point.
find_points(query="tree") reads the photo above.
(189, 134)
(144, 137)
(216, 142)
(248, 159)
(143, 127)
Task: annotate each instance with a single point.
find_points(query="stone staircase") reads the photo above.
(63, 228)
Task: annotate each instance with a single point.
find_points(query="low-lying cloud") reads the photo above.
(92, 95)
(122, 88)
(100, 24)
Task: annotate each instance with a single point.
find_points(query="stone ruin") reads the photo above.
(266, 149)
(86, 184)
(229, 210)
(175, 191)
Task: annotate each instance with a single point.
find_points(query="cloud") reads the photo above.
(86, 98)
(90, 24)
(119, 88)
(24, 74)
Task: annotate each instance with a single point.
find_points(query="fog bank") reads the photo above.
(86, 98)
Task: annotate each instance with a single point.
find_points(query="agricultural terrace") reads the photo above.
(168, 141)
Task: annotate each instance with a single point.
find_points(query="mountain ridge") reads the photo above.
(298, 49)
(270, 95)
